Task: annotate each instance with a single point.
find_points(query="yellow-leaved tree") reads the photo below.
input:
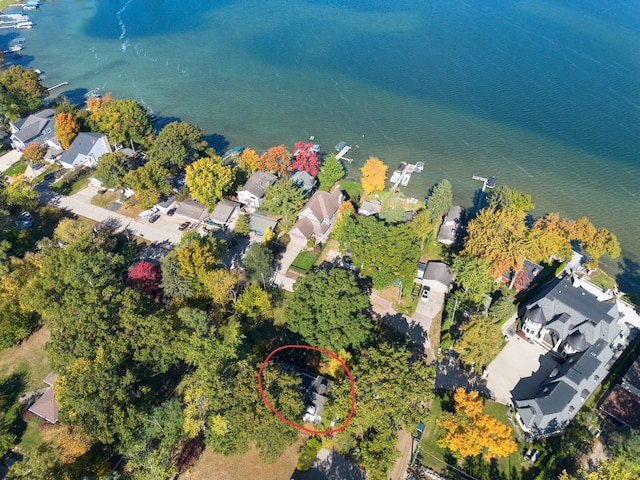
(67, 129)
(374, 175)
(209, 179)
(470, 432)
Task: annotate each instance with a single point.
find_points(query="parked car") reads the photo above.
(425, 295)
(171, 212)
(154, 218)
(25, 220)
(184, 226)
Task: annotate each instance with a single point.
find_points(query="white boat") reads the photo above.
(405, 179)
(395, 176)
(419, 167)
(15, 48)
(24, 25)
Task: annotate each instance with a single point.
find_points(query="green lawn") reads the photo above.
(303, 262)
(16, 169)
(72, 183)
(514, 462)
(432, 455)
(353, 189)
(31, 438)
(603, 280)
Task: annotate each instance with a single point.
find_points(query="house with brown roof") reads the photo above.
(252, 193)
(318, 215)
(46, 406)
(623, 403)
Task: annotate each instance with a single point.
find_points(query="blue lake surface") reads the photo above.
(543, 94)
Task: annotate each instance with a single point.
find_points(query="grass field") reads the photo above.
(514, 462)
(16, 169)
(432, 455)
(28, 357)
(105, 199)
(243, 467)
(303, 262)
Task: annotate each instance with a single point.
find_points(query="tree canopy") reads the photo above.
(275, 160)
(481, 340)
(440, 200)
(112, 169)
(209, 179)
(332, 170)
(285, 199)
(67, 129)
(374, 175)
(123, 121)
(177, 145)
(327, 309)
(305, 159)
(21, 92)
(469, 432)
(150, 182)
(386, 253)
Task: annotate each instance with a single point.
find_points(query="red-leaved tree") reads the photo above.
(148, 276)
(305, 159)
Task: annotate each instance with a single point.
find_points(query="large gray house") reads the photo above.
(584, 329)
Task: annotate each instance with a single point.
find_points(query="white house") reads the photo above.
(252, 193)
(85, 150)
(318, 215)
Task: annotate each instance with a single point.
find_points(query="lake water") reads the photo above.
(545, 95)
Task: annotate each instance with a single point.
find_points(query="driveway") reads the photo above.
(518, 359)
(9, 159)
(294, 247)
(165, 229)
(331, 466)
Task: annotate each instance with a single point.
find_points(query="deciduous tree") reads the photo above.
(305, 159)
(327, 309)
(470, 432)
(209, 179)
(112, 168)
(473, 275)
(177, 145)
(21, 92)
(122, 121)
(480, 341)
(276, 160)
(67, 129)
(249, 160)
(150, 182)
(374, 175)
(505, 197)
(255, 304)
(332, 170)
(259, 263)
(147, 275)
(34, 152)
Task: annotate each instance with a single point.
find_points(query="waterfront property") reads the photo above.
(451, 226)
(36, 128)
(318, 215)
(584, 330)
(86, 150)
(252, 193)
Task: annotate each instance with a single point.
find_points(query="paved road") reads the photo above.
(163, 230)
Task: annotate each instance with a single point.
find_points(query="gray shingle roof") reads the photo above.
(259, 182)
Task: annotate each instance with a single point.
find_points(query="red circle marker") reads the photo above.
(291, 422)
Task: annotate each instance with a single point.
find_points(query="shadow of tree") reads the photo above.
(218, 142)
(331, 466)
(451, 374)
(406, 327)
(10, 390)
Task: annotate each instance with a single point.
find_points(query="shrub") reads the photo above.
(308, 453)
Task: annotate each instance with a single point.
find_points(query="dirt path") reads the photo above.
(400, 468)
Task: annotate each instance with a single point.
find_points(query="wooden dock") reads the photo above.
(341, 154)
(57, 86)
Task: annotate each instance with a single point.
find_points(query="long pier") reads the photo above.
(57, 86)
(341, 154)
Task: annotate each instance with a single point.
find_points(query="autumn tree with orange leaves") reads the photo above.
(470, 432)
(374, 175)
(67, 129)
(275, 160)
